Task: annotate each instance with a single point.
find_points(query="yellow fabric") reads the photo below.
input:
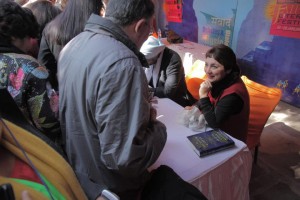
(196, 70)
(195, 77)
(263, 101)
(49, 163)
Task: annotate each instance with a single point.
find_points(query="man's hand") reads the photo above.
(100, 198)
(153, 114)
(25, 195)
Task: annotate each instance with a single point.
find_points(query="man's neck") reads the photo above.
(129, 31)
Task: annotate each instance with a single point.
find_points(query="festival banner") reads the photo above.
(173, 10)
(286, 19)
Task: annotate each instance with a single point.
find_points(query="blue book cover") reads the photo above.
(209, 142)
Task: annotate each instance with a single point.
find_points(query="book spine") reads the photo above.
(211, 151)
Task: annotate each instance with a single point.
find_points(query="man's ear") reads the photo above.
(139, 25)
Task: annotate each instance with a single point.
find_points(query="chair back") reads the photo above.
(263, 101)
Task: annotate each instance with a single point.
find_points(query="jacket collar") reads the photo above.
(108, 26)
(6, 47)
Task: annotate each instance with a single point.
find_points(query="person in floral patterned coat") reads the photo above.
(22, 75)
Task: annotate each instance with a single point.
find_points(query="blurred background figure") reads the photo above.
(21, 2)
(44, 12)
(21, 74)
(62, 29)
(32, 1)
(61, 4)
(165, 74)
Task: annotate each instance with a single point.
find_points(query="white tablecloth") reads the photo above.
(222, 176)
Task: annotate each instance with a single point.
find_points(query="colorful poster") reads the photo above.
(173, 10)
(286, 19)
(217, 30)
(188, 27)
(271, 60)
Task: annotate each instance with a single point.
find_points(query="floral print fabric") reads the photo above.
(27, 82)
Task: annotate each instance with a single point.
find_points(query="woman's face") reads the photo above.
(214, 70)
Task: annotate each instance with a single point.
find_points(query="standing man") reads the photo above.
(111, 132)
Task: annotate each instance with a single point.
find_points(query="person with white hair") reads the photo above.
(165, 74)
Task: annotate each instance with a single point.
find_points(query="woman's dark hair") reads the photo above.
(125, 12)
(16, 21)
(44, 12)
(72, 20)
(225, 56)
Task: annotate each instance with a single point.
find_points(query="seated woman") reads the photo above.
(165, 74)
(224, 99)
(21, 74)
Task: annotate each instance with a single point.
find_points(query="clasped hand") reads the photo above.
(205, 87)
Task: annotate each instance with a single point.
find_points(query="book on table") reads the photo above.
(210, 142)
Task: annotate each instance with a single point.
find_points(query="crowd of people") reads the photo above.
(82, 71)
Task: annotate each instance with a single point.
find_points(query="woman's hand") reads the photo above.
(205, 87)
(188, 107)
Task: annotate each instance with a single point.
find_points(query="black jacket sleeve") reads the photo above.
(227, 106)
(173, 70)
(47, 58)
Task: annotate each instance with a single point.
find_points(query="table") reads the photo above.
(195, 50)
(224, 175)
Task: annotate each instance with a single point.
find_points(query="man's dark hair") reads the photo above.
(125, 12)
(16, 21)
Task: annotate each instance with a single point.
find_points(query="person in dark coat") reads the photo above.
(165, 75)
